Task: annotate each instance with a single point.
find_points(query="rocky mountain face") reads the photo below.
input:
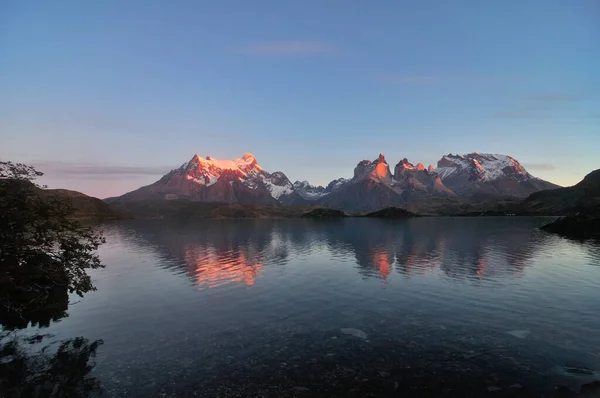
(489, 174)
(417, 182)
(212, 180)
(372, 185)
(304, 192)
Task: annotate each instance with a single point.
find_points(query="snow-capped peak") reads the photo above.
(244, 163)
(405, 164)
(486, 166)
(207, 171)
(303, 184)
(308, 191)
(248, 157)
(336, 184)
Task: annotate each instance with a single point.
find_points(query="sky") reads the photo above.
(107, 96)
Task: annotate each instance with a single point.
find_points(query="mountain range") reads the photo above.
(372, 185)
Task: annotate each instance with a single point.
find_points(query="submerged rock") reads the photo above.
(354, 332)
(520, 334)
(581, 373)
(579, 370)
(590, 390)
(563, 392)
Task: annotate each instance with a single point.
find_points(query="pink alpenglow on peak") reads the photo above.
(246, 162)
(405, 164)
(430, 168)
(382, 170)
(217, 180)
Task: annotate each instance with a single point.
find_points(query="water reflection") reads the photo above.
(59, 372)
(214, 253)
(30, 366)
(212, 267)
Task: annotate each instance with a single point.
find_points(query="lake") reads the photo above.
(339, 308)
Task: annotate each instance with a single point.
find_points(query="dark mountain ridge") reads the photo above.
(581, 197)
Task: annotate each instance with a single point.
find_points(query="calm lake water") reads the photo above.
(339, 308)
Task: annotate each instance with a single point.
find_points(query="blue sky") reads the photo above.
(105, 96)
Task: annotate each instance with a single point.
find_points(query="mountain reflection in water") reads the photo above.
(215, 253)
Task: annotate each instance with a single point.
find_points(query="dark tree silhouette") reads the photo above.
(44, 251)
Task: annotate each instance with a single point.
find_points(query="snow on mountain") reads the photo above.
(206, 171)
(216, 180)
(277, 184)
(308, 191)
(245, 163)
(210, 179)
(406, 165)
(487, 173)
(336, 184)
(312, 192)
(487, 167)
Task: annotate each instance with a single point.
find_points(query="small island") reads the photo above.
(324, 214)
(392, 213)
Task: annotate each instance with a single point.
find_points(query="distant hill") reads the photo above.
(583, 197)
(85, 207)
(580, 226)
(580, 204)
(186, 209)
(478, 204)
